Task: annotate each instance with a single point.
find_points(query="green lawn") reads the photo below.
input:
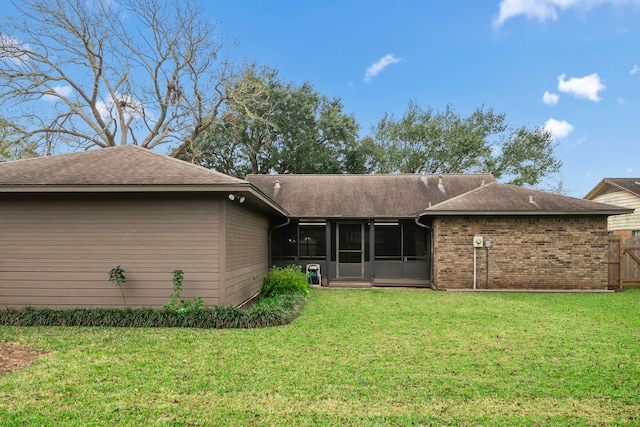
(353, 357)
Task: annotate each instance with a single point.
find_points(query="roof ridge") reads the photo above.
(466, 193)
(371, 174)
(48, 156)
(132, 147)
(118, 165)
(512, 199)
(182, 162)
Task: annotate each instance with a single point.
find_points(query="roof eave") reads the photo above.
(146, 188)
(120, 188)
(524, 213)
(351, 217)
(595, 191)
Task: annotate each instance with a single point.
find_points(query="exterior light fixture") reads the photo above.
(240, 198)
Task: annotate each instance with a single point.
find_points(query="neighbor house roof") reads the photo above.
(127, 168)
(630, 185)
(502, 199)
(363, 196)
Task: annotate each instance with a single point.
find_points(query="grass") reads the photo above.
(353, 357)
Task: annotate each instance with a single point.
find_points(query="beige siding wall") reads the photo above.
(246, 252)
(558, 252)
(57, 250)
(622, 222)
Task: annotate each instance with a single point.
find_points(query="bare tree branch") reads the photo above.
(99, 74)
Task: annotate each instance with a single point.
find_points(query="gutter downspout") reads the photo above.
(486, 280)
(475, 262)
(430, 228)
(419, 224)
(282, 225)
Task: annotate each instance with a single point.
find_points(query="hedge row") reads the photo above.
(278, 310)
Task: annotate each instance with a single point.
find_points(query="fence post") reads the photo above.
(615, 267)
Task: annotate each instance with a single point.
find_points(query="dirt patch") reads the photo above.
(14, 356)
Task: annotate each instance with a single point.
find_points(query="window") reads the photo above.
(414, 242)
(313, 241)
(404, 241)
(635, 233)
(284, 242)
(388, 240)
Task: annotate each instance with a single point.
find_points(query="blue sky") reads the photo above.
(570, 65)
(506, 55)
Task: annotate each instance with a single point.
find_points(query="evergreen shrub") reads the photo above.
(285, 280)
(279, 310)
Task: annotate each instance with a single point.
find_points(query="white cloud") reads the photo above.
(538, 9)
(582, 87)
(579, 142)
(634, 70)
(62, 90)
(620, 100)
(629, 170)
(559, 129)
(544, 10)
(13, 50)
(550, 98)
(104, 109)
(377, 67)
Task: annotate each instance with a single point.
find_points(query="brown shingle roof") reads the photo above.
(630, 185)
(503, 199)
(124, 165)
(363, 196)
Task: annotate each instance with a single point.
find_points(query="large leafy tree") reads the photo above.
(424, 141)
(285, 128)
(93, 73)
(363, 157)
(10, 149)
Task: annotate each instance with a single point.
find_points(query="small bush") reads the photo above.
(117, 277)
(286, 280)
(282, 296)
(275, 311)
(185, 306)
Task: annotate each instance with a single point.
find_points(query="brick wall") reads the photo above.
(624, 234)
(543, 252)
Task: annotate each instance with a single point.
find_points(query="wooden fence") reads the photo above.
(624, 262)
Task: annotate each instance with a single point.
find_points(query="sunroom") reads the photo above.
(366, 251)
(361, 230)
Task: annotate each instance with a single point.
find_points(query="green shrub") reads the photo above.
(275, 311)
(281, 298)
(286, 280)
(185, 306)
(117, 277)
